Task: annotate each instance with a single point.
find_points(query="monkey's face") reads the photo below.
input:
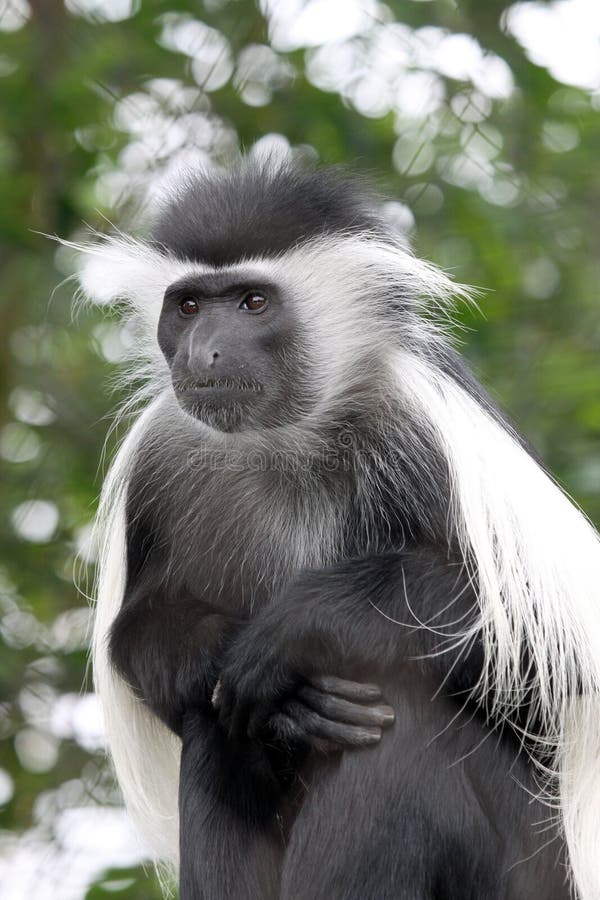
(230, 341)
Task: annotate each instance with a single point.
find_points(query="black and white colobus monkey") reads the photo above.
(320, 522)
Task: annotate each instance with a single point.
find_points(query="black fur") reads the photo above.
(239, 648)
(261, 210)
(277, 816)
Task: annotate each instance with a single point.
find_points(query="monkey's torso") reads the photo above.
(215, 536)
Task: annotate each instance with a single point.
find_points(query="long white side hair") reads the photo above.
(534, 555)
(145, 752)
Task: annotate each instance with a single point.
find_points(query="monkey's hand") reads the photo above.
(270, 689)
(364, 616)
(323, 711)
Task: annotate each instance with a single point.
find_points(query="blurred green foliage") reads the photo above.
(504, 189)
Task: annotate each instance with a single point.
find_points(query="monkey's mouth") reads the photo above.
(228, 384)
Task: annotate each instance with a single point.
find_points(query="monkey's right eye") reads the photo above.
(188, 307)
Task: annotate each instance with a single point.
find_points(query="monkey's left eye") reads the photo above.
(254, 302)
(188, 307)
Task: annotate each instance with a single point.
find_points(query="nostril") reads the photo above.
(214, 358)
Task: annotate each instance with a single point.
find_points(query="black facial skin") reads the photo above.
(224, 338)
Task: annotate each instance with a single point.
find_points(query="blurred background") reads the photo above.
(479, 120)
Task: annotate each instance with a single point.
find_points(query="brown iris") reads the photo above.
(254, 302)
(189, 306)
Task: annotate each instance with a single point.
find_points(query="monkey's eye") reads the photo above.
(188, 307)
(254, 302)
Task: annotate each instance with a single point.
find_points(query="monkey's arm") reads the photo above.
(169, 645)
(170, 649)
(171, 652)
(364, 617)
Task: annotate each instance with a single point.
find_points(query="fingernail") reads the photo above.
(371, 690)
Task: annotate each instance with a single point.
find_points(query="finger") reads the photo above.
(342, 734)
(338, 710)
(215, 698)
(351, 690)
(287, 730)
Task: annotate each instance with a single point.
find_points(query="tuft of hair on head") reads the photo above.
(262, 208)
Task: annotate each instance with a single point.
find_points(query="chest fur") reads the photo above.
(233, 533)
